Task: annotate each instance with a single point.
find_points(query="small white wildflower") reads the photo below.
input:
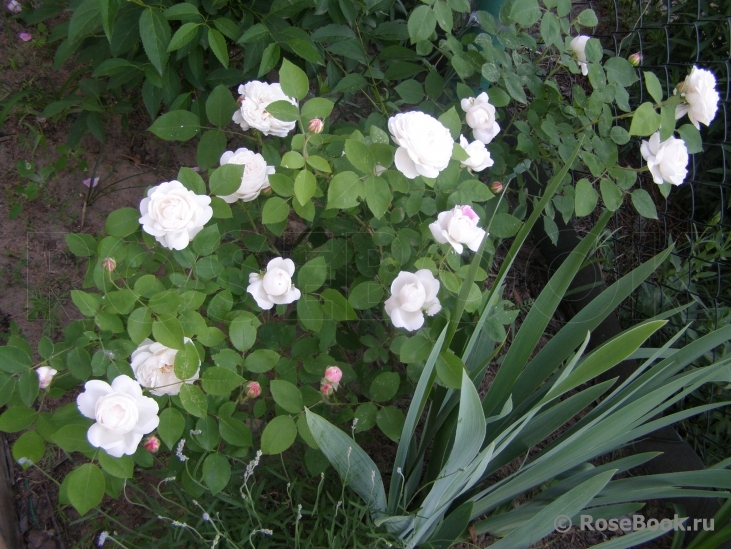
(179, 524)
(350, 450)
(179, 450)
(299, 512)
(266, 532)
(338, 505)
(194, 432)
(25, 461)
(102, 538)
(206, 517)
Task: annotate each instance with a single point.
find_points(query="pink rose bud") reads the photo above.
(333, 374)
(45, 376)
(326, 389)
(108, 264)
(316, 125)
(253, 389)
(496, 187)
(152, 444)
(635, 59)
(25, 37)
(196, 169)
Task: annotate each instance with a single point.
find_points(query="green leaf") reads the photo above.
(139, 325)
(169, 332)
(121, 467)
(226, 180)
(175, 126)
(72, 438)
(312, 275)
(390, 420)
(378, 195)
(305, 186)
(611, 194)
(155, 35)
(220, 381)
(619, 135)
(653, 86)
(504, 225)
(234, 432)
(181, 12)
(278, 435)
(275, 210)
(220, 106)
(108, 11)
(81, 245)
(354, 466)
(269, 59)
(283, 110)
(450, 119)
(293, 80)
(16, 419)
(216, 472)
(551, 29)
(344, 190)
(620, 71)
(317, 107)
(171, 427)
(193, 400)
(206, 241)
(443, 13)
(122, 222)
(645, 121)
(525, 12)
(515, 87)
(14, 360)
(351, 83)
(336, 306)
(182, 36)
(449, 369)
(585, 198)
(310, 313)
(359, 155)
(28, 386)
(85, 19)
(411, 91)
(261, 361)
(187, 361)
(85, 487)
(30, 446)
(319, 163)
(366, 295)
(588, 18)
(642, 201)
(242, 332)
(218, 46)
(292, 160)
(692, 137)
(191, 180)
(88, 304)
(79, 363)
(384, 386)
(287, 395)
(421, 24)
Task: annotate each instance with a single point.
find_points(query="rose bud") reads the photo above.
(326, 389)
(253, 389)
(496, 187)
(316, 125)
(333, 375)
(108, 264)
(152, 444)
(45, 376)
(635, 59)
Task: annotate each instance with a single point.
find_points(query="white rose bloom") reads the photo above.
(123, 415)
(668, 161)
(45, 376)
(479, 155)
(425, 145)
(274, 287)
(255, 98)
(413, 294)
(256, 174)
(153, 366)
(480, 116)
(174, 215)
(700, 95)
(458, 227)
(578, 44)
